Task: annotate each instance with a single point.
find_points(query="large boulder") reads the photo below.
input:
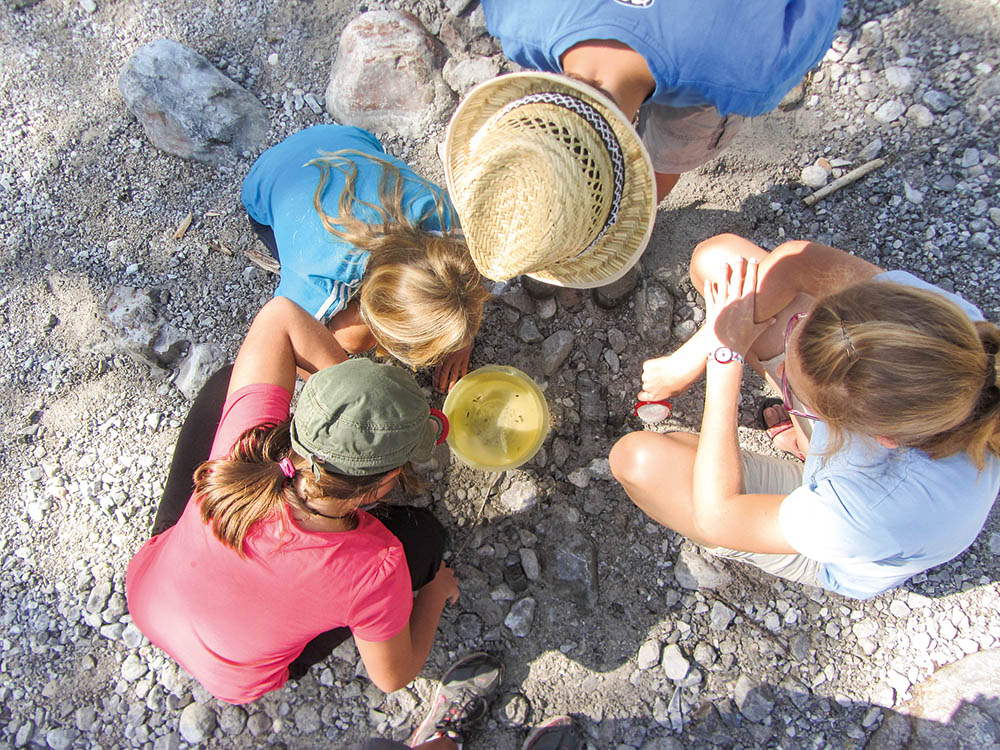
(387, 75)
(188, 108)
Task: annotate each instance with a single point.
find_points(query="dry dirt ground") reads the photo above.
(90, 205)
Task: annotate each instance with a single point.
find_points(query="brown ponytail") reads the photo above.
(249, 485)
(903, 363)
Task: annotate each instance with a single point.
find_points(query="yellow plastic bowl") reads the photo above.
(498, 418)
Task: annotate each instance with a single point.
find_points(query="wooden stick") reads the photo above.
(853, 176)
(183, 227)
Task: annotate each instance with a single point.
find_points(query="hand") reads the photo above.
(665, 377)
(730, 307)
(446, 584)
(452, 367)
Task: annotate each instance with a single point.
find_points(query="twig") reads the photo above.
(497, 475)
(853, 176)
(183, 226)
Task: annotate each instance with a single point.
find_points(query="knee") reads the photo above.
(710, 254)
(630, 458)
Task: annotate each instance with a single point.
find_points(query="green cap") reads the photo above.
(362, 418)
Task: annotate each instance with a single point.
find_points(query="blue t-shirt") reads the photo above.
(874, 517)
(319, 271)
(740, 57)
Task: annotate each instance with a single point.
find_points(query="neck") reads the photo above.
(312, 518)
(613, 67)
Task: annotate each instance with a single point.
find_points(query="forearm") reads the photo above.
(717, 465)
(427, 608)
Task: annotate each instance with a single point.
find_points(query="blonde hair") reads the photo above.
(907, 364)
(421, 295)
(249, 485)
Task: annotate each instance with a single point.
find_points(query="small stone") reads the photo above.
(693, 571)
(814, 176)
(520, 617)
(705, 655)
(61, 738)
(555, 349)
(889, 111)
(920, 116)
(232, 719)
(866, 91)
(654, 307)
(720, 616)
(970, 158)
(899, 608)
(513, 710)
(307, 719)
(611, 295)
(900, 78)
(865, 628)
(197, 722)
(202, 361)
(871, 34)
(871, 150)
(649, 655)
(528, 331)
(89, 6)
(579, 478)
(462, 75)
(675, 664)
(259, 724)
(133, 668)
(754, 700)
(938, 101)
(529, 562)
(912, 194)
(168, 741)
(520, 496)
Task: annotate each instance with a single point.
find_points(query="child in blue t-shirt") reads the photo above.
(367, 247)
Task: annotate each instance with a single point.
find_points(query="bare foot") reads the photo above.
(782, 439)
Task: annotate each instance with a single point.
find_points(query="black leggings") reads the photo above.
(420, 533)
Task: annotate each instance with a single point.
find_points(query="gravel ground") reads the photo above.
(596, 611)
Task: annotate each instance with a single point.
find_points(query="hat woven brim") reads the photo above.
(500, 244)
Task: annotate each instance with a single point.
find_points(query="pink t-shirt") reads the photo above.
(235, 623)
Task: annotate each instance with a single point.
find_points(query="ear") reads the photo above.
(886, 442)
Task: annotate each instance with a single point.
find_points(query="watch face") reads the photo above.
(723, 354)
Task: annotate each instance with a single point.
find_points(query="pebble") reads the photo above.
(900, 78)
(520, 496)
(889, 111)
(259, 724)
(814, 176)
(938, 101)
(920, 116)
(675, 664)
(520, 617)
(197, 722)
(720, 616)
(649, 655)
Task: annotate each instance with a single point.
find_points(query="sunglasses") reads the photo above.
(786, 391)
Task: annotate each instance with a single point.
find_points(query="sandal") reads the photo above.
(778, 427)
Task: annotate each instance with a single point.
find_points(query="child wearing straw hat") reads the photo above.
(548, 175)
(367, 247)
(691, 71)
(267, 560)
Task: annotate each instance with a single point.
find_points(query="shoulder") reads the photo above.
(246, 407)
(905, 278)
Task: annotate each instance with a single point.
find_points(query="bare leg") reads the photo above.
(657, 473)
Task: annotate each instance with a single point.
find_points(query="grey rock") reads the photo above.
(232, 719)
(458, 7)
(462, 75)
(513, 710)
(649, 654)
(86, 719)
(529, 563)
(555, 349)
(685, 330)
(259, 724)
(190, 109)
(133, 668)
(24, 734)
(387, 75)
(866, 91)
(611, 295)
(693, 571)
(754, 700)
(814, 176)
(307, 719)
(612, 360)
(197, 722)
(654, 310)
(938, 101)
(593, 404)
(61, 738)
(520, 496)
(519, 300)
(871, 150)
(547, 308)
(469, 627)
(528, 331)
(168, 741)
(900, 78)
(560, 451)
(970, 158)
(521, 616)
(198, 366)
(573, 567)
(132, 637)
(538, 289)
(140, 329)
(793, 98)
(663, 743)
(98, 597)
(675, 664)
(920, 116)
(912, 194)
(889, 111)
(871, 34)
(720, 616)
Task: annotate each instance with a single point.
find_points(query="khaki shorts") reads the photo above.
(767, 475)
(679, 139)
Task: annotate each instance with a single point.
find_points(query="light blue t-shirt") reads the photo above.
(741, 57)
(320, 272)
(874, 517)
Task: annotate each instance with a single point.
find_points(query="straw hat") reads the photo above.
(549, 179)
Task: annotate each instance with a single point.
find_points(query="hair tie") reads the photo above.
(286, 467)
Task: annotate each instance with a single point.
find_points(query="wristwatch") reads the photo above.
(724, 355)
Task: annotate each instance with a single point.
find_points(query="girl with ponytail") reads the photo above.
(271, 556)
(893, 386)
(367, 247)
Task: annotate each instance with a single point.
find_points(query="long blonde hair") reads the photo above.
(249, 485)
(421, 295)
(907, 364)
